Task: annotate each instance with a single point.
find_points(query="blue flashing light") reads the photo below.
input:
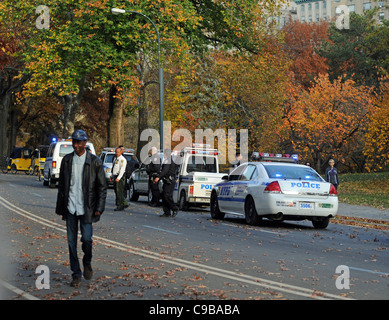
(54, 139)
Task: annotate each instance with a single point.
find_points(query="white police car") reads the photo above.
(276, 188)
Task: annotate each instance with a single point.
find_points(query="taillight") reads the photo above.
(333, 191)
(191, 189)
(273, 187)
(54, 164)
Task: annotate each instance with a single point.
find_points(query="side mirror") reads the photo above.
(225, 178)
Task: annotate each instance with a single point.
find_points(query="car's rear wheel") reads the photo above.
(320, 223)
(250, 212)
(215, 211)
(183, 204)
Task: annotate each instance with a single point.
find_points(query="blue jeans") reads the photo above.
(86, 239)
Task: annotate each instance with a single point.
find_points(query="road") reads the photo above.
(139, 255)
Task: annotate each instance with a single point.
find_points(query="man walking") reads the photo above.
(82, 191)
(119, 179)
(168, 176)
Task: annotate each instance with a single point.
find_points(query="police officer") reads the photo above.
(168, 176)
(119, 179)
(153, 169)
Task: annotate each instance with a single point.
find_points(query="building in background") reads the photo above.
(326, 10)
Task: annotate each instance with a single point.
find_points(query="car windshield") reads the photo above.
(65, 149)
(201, 164)
(292, 172)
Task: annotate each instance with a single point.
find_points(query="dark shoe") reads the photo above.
(118, 209)
(153, 205)
(165, 215)
(76, 281)
(174, 213)
(88, 272)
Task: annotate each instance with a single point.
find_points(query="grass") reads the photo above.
(367, 189)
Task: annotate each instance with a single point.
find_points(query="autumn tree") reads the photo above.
(329, 121)
(376, 148)
(302, 41)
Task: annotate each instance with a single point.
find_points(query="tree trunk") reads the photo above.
(8, 86)
(71, 106)
(5, 102)
(115, 130)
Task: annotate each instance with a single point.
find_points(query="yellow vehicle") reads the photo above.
(20, 160)
(24, 159)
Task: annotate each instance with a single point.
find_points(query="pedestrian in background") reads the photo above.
(118, 178)
(168, 176)
(82, 192)
(331, 174)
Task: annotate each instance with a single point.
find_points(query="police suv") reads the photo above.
(107, 156)
(277, 188)
(197, 173)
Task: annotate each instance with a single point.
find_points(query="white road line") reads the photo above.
(37, 195)
(18, 291)
(160, 229)
(369, 271)
(240, 277)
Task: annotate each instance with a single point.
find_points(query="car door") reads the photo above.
(241, 186)
(227, 190)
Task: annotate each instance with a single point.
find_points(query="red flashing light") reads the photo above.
(54, 164)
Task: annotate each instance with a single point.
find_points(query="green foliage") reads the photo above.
(370, 189)
(359, 53)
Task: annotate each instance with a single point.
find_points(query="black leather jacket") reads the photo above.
(94, 187)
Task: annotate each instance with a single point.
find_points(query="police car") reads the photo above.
(107, 156)
(277, 188)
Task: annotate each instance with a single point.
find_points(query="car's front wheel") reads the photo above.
(215, 211)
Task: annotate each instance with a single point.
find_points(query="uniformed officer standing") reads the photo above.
(153, 169)
(168, 176)
(118, 178)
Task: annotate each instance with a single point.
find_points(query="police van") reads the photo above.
(57, 150)
(198, 172)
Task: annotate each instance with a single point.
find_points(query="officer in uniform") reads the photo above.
(153, 169)
(119, 179)
(168, 176)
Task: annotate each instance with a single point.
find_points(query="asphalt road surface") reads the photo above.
(139, 255)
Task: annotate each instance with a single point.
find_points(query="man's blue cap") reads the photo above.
(79, 135)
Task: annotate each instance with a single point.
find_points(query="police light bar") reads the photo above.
(278, 157)
(201, 145)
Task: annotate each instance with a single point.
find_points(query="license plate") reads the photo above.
(306, 205)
